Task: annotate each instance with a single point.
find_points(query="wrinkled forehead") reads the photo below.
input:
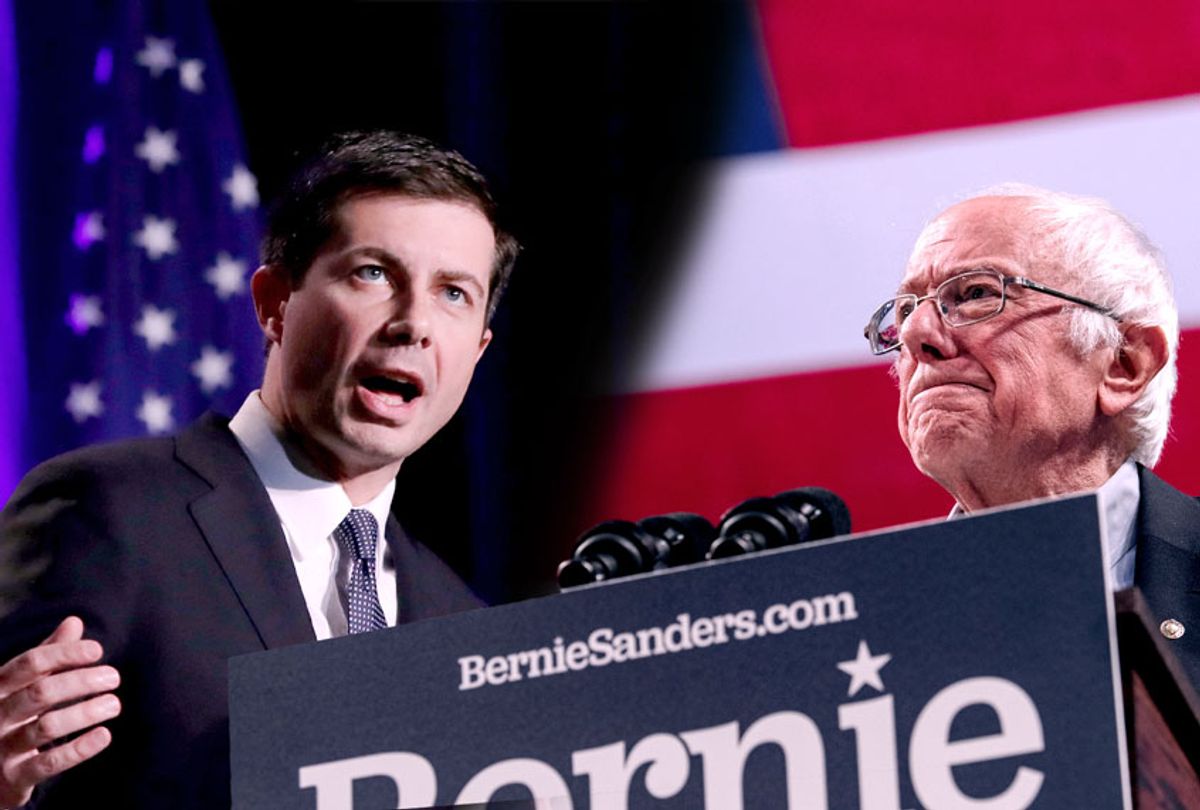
(996, 232)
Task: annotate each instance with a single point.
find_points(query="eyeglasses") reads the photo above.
(961, 300)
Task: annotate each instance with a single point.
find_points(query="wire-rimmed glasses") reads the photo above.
(967, 298)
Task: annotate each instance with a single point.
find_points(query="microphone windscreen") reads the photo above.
(688, 535)
(834, 517)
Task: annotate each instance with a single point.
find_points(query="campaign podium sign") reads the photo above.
(956, 664)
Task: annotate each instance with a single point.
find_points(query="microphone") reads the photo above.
(617, 548)
(796, 516)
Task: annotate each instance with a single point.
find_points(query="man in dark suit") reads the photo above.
(1168, 565)
(1045, 365)
(382, 267)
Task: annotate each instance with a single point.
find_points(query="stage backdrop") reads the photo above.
(718, 307)
(137, 221)
(755, 376)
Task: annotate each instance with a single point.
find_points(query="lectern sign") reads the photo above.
(951, 665)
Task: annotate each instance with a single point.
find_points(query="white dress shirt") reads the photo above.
(1120, 496)
(310, 509)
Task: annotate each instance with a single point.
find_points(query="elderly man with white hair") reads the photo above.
(1036, 335)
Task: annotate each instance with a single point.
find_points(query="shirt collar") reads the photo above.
(1119, 500)
(310, 508)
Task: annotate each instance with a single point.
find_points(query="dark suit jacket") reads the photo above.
(171, 552)
(1168, 563)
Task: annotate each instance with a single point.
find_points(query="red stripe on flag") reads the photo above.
(705, 449)
(877, 68)
(1178, 465)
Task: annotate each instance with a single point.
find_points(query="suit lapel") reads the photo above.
(401, 550)
(239, 524)
(1168, 551)
(1168, 563)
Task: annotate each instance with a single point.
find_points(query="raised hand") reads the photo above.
(47, 693)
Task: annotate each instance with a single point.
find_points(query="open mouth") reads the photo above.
(408, 390)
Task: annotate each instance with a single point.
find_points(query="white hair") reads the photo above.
(1115, 265)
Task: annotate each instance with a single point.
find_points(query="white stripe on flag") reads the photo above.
(793, 249)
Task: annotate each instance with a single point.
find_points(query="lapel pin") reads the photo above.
(1172, 628)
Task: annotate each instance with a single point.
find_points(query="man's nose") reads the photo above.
(925, 335)
(410, 324)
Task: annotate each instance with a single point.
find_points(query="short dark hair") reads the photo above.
(355, 164)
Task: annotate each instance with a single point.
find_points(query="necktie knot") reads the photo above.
(357, 534)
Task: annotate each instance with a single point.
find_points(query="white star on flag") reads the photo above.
(155, 412)
(158, 55)
(228, 276)
(864, 669)
(191, 75)
(91, 227)
(84, 401)
(158, 149)
(157, 237)
(213, 369)
(242, 188)
(85, 313)
(156, 327)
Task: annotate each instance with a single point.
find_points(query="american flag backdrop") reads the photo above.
(755, 376)
(848, 125)
(139, 224)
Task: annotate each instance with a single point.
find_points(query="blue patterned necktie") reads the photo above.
(357, 535)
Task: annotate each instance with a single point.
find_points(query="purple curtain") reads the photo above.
(12, 353)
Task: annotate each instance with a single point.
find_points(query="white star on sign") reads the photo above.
(213, 369)
(155, 412)
(191, 75)
(84, 401)
(156, 327)
(242, 188)
(157, 237)
(228, 276)
(158, 149)
(864, 669)
(85, 313)
(157, 56)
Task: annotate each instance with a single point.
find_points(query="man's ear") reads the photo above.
(270, 287)
(1131, 368)
(483, 343)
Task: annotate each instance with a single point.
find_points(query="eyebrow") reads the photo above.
(387, 259)
(461, 277)
(378, 254)
(941, 274)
